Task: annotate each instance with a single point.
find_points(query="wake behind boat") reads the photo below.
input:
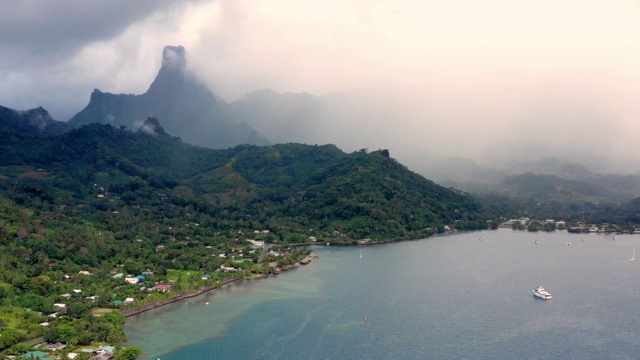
(541, 293)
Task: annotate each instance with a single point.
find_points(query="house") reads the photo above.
(108, 348)
(162, 287)
(140, 277)
(118, 275)
(77, 291)
(148, 272)
(256, 243)
(56, 346)
(58, 307)
(227, 268)
(132, 280)
(129, 300)
(117, 302)
(206, 277)
(84, 272)
(34, 355)
(104, 353)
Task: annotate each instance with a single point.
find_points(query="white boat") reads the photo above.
(541, 293)
(360, 254)
(633, 254)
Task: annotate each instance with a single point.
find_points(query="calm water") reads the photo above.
(464, 296)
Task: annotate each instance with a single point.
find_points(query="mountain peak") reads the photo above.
(171, 77)
(173, 58)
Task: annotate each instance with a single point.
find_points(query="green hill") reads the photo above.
(287, 188)
(550, 187)
(34, 121)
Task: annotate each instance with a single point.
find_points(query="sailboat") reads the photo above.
(360, 254)
(633, 254)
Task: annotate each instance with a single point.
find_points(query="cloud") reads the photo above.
(46, 31)
(471, 77)
(59, 51)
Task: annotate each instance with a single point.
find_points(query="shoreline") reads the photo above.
(127, 313)
(136, 311)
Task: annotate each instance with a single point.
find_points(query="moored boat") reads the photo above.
(541, 293)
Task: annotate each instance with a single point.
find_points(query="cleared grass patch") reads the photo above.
(101, 311)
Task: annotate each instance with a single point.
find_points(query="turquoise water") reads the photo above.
(464, 296)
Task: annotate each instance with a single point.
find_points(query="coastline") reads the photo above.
(136, 311)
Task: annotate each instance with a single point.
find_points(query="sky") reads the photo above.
(558, 75)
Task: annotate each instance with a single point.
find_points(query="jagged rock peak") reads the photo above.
(173, 58)
(172, 74)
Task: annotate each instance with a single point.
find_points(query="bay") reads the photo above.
(462, 296)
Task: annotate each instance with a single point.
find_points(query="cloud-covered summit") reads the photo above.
(173, 58)
(184, 106)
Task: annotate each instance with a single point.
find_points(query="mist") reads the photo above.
(494, 81)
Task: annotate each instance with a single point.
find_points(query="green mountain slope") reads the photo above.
(550, 187)
(34, 121)
(288, 188)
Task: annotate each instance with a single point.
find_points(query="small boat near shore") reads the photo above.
(541, 293)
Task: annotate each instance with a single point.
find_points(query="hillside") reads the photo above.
(551, 187)
(286, 188)
(34, 121)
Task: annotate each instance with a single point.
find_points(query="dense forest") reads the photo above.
(84, 213)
